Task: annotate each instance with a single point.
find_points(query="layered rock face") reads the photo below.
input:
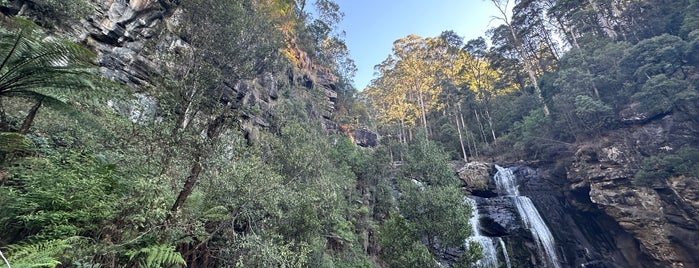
(135, 41)
(663, 218)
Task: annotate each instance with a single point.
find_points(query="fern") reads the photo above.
(156, 256)
(14, 143)
(42, 254)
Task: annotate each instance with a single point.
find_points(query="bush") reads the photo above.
(658, 168)
(58, 196)
(400, 246)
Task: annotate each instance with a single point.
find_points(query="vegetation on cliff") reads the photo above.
(555, 73)
(190, 170)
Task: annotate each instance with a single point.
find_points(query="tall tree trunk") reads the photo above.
(461, 139)
(522, 54)
(490, 124)
(402, 137)
(4, 125)
(423, 112)
(29, 120)
(5, 260)
(213, 130)
(604, 21)
(188, 186)
(468, 133)
(480, 126)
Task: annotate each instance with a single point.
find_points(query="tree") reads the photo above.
(526, 58)
(47, 71)
(410, 77)
(400, 245)
(431, 199)
(231, 41)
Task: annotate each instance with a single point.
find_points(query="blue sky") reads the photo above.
(371, 26)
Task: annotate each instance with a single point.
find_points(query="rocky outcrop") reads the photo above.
(365, 137)
(664, 218)
(583, 238)
(475, 175)
(136, 40)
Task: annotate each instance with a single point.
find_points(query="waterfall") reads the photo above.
(504, 252)
(490, 254)
(507, 186)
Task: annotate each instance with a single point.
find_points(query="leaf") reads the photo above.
(44, 254)
(156, 256)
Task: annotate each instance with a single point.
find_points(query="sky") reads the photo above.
(371, 26)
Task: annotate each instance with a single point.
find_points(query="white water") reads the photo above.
(506, 185)
(490, 253)
(504, 252)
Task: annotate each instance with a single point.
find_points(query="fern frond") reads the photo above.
(156, 256)
(43, 254)
(11, 142)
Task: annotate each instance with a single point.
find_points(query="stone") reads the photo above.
(663, 219)
(475, 175)
(365, 137)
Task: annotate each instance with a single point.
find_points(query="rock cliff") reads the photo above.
(134, 39)
(664, 217)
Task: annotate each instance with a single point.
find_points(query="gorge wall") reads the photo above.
(598, 213)
(136, 40)
(663, 217)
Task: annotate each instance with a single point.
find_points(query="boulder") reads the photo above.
(365, 138)
(475, 175)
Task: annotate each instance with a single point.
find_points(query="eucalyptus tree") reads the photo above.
(229, 41)
(516, 41)
(412, 72)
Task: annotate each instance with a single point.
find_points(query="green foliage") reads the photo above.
(41, 254)
(289, 195)
(660, 95)
(400, 244)
(531, 129)
(431, 200)
(58, 196)
(593, 113)
(427, 162)
(693, 47)
(255, 251)
(156, 256)
(14, 143)
(48, 71)
(226, 32)
(657, 169)
(437, 212)
(662, 54)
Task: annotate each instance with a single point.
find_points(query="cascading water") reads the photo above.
(504, 252)
(507, 186)
(490, 254)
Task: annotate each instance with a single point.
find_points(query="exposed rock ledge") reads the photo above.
(664, 218)
(134, 39)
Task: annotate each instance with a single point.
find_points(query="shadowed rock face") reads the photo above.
(584, 237)
(664, 219)
(365, 138)
(588, 238)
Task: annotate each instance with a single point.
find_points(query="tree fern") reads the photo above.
(156, 256)
(46, 70)
(43, 254)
